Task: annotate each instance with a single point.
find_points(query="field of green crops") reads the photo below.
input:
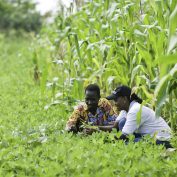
(43, 77)
(110, 43)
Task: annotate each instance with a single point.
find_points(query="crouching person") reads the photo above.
(130, 105)
(96, 111)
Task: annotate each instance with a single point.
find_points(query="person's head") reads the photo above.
(123, 97)
(92, 96)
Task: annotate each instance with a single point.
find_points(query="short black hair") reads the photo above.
(93, 87)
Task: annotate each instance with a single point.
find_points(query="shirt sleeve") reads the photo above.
(122, 114)
(130, 124)
(110, 114)
(72, 120)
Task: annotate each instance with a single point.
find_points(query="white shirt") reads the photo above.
(149, 124)
(122, 114)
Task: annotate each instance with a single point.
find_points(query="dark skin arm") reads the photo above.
(89, 131)
(107, 128)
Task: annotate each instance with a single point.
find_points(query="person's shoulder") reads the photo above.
(105, 105)
(137, 106)
(134, 107)
(80, 107)
(103, 101)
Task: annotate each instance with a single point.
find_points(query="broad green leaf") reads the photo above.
(161, 92)
(138, 116)
(148, 95)
(135, 71)
(95, 61)
(165, 62)
(77, 46)
(173, 21)
(172, 43)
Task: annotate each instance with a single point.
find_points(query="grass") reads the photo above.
(33, 142)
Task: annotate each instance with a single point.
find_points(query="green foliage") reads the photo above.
(118, 42)
(19, 14)
(32, 140)
(107, 42)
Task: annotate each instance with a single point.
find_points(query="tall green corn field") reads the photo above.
(113, 42)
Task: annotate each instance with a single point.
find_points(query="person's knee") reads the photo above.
(121, 123)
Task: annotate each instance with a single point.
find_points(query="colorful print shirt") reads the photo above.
(104, 114)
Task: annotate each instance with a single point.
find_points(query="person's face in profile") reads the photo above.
(91, 99)
(122, 103)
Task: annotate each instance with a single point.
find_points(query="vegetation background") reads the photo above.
(43, 72)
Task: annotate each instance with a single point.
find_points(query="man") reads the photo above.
(96, 111)
(130, 105)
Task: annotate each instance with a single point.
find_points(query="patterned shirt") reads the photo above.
(104, 114)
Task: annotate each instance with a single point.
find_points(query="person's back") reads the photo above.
(129, 102)
(149, 123)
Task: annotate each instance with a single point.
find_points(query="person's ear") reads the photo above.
(125, 99)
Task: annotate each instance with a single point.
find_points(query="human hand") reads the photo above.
(89, 131)
(71, 129)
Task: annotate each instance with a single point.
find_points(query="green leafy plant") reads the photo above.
(119, 42)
